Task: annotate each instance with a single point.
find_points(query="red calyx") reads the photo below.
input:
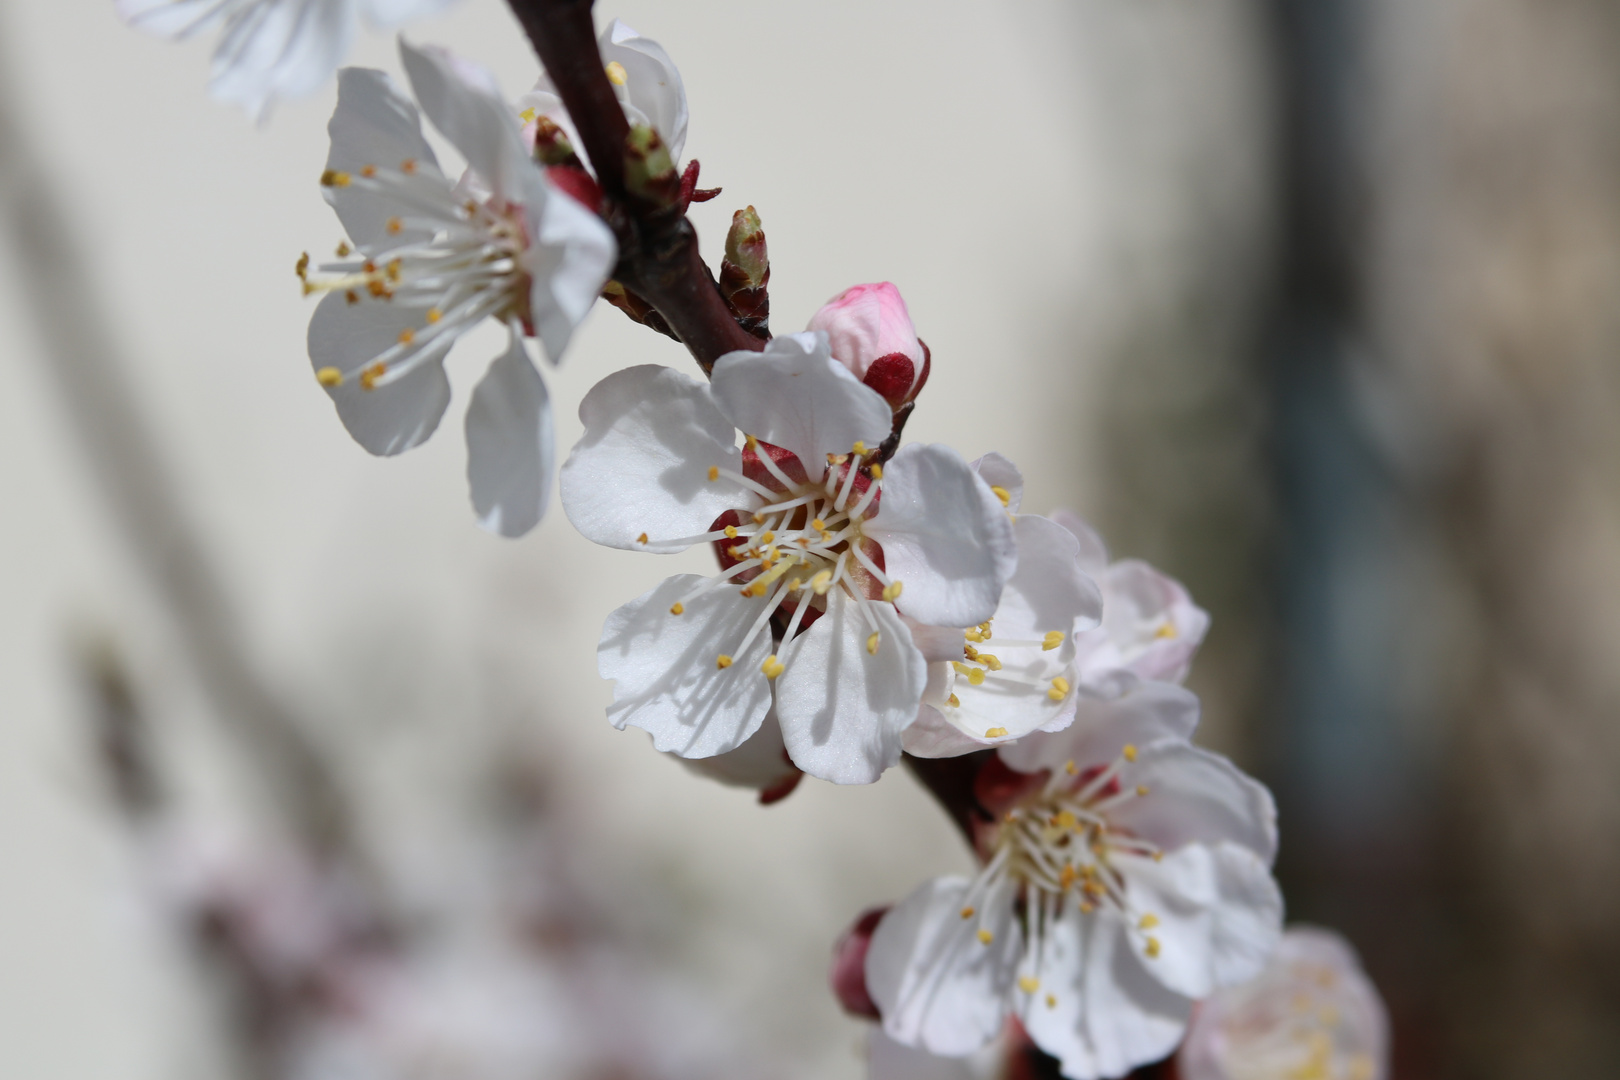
(894, 376)
(848, 972)
(578, 184)
(690, 192)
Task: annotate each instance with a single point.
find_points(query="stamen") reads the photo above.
(1003, 494)
(985, 936)
(722, 661)
(772, 667)
(714, 473)
(616, 73)
(1028, 983)
(872, 643)
(996, 733)
(891, 591)
(329, 376)
(967, 913)
(1060, 688)
(676, 608)
(1053, 639)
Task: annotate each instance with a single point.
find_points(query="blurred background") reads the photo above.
(1313, 303)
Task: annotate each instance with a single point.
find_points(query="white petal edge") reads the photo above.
(510, 444)
(396, 415)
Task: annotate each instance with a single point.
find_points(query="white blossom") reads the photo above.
(1311, 1013)
(810, 532)
(1150, 625)
(1130, 878)
(271, 49)
(430, 260)
(644, 78)
(1014, 673)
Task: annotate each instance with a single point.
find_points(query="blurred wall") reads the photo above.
(1032, 175)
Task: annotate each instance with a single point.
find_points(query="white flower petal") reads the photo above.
(933, 736)
(666, 678)
(571, 254)
(510, 444)
(1151, 627)
(796, 396)
(376, 125)
(465, 104)
(1196, 797)
(842, 705)
(388, 14)
(1219, 915)
(938, 984)
(396, 415)
(999, 472)
(642, 466)
(944, 536)
(1095, 1009)
(1048, 591)
(652, 84)
(172, 18)
(1102, 727)
(758, 763)
(276, 50)
(1093, 552)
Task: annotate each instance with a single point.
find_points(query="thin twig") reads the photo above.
(658, 248)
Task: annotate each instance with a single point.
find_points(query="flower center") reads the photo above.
(798, 543)
(457, 262)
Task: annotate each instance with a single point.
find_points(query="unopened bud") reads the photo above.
(551, 145)
(870, 332)
(745, 273)
(745, 248)
(649, 172)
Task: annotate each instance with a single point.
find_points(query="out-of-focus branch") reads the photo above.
(89, 370)
(658, 249)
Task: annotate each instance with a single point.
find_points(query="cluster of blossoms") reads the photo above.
(873, 598)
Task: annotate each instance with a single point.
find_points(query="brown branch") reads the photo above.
(951, 782)
(658, 248)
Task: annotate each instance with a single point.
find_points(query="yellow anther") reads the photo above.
(858, 449)
(1052, 640)
(333, 178)
(976, 677)
(1003, 494)
(872, 643)
(616, 73)
(408, 166)
(970, 652)
(891, 591)
(985, 936)
(748, 590)
(973, 635)
(989, 661)
(1086, 907)
(877, 472)
(984, 628)
(528, 115)
(767, 538)
(996, 733)
(373, 372)
(822, 582)
(1148, 921)
(1152, 948)
(826, 537)
(1070, 767)
(1141, 789)
(759, 519)
(406, 336)
(803, 541)
(434, 315)
(1168, 630)
(642, 539)
(394, 266)
(961, 668)
(967, 913)
(1064, 819)
(819, 525)
(301, 268)
(1051, 1001)
(1028, 983)
(772, 667)
(751, 442)
(722, 661)
(731, 532)
(954, 701)
(795, 585)
(352, 297)
(1129, 751)
(1060, 688)
(329, 376)
(714, 474)
(342, 249)
(676, 608)
(1066, 878)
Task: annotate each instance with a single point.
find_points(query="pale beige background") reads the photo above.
(1028, 172)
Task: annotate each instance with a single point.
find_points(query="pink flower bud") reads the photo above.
(848, 974)
(870, 333)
